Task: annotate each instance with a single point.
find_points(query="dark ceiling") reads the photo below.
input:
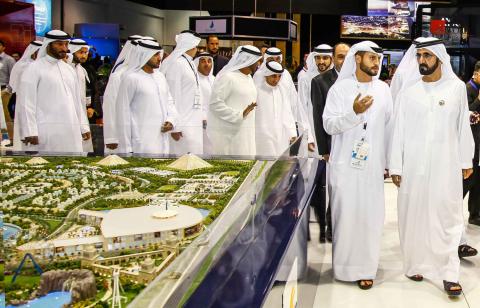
(322, 7)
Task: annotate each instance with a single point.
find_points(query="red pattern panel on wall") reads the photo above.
(17, 25)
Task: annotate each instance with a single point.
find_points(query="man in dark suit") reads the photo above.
(219, 61)
(472, 184)
(320, 86)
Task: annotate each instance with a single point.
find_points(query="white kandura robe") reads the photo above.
(15, 78)
(109, 107)
(274, 122)
(305, 98)
(229, 132)
(183, 87)
(82, 76)
(50, 107)
(357, 196)
(206, 84)
(431, 144)
(144, 104)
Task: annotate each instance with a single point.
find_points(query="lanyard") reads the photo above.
(473, 84)
(193, 70)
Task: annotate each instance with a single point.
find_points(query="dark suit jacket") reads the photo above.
(219, 62)
(320, 86)
(474, 105)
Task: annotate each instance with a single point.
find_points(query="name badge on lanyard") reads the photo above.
(196, 102)
(360, 152)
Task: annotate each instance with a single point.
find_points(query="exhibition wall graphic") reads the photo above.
(43, 15)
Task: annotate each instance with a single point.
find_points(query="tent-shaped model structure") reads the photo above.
(112, 160)
(37, 161)
(189, 162)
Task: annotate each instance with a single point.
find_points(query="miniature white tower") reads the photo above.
(116, 297)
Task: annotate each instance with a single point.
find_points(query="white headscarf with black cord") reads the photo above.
(244, 56)
(186, 40)
(19, 67)
(408, 72)
(50, 37)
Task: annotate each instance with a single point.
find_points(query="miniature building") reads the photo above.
(112, 160)
(189, 162)
(37, 161)
(129, 228)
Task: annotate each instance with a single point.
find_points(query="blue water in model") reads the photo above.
(51, 300)
(10, 231)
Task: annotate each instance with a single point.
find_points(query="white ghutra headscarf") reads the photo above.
(408, 73)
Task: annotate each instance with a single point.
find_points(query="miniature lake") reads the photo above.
(204, 212)
(51, 300)
(10, 231)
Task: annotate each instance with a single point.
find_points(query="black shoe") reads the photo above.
(329, 235)
(322, 238)
(475, 220)
(465, 251)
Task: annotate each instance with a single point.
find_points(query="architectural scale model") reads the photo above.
(125, 216)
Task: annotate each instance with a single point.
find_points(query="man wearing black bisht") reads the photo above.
(320, 86)
(472, 184)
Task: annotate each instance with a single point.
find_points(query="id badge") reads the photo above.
(196, 102)
(360, 154)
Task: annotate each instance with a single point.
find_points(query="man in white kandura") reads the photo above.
(319, 61)
(358, 116)
(432, 151)
(78, 55)
(275, 126)
(110, 100)
(184, 84)
(145, 109)
(204, 64)
(231, 111)
(29, 55)
(286, 82)
(51, 117)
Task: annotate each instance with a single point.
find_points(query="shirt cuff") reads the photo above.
(111, 141)
(354, 118)
(395, 172)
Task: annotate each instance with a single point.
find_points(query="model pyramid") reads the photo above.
(112, 160)
(37, 161)
(189, 162)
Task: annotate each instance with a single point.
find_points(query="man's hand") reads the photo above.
(86, 135)
(326, 157)
(112, 146)
(474, 118)
(397, 179)
(90, 112)
(33, 140)
(176, 136)
(292, 140)
(360, 105)
(204, 123)
(311, 147)
(467, 173)
(249, 109)
(166, 127)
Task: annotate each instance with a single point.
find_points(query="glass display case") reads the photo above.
(149, 230)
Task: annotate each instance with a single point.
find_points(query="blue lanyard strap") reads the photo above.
(473, 84)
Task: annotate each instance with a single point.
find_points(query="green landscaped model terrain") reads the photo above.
(44, 197)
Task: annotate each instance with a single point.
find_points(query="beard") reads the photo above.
(322, 67)
(370, 71)
(153, 64)
(425, 70)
